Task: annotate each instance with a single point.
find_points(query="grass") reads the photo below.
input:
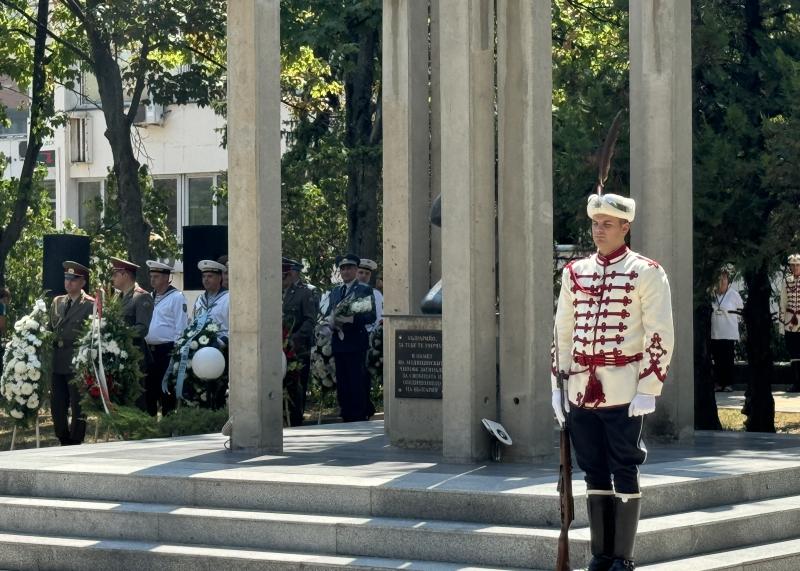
(785, 422)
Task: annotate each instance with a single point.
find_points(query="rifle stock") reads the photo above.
(566, 500)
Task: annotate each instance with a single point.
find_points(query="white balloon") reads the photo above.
(208, 363)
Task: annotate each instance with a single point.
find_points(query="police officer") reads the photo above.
(67, 314)
(169, 320)
(615, 340)
(299, 316)
(137, 310)
(366, 269)
(350, 351)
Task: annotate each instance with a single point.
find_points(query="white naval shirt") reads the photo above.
(724, 324)
(378, 297)
(217, 304)
(614, 323)
(169, 317)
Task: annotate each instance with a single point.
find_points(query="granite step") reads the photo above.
(33, 552)
(776, 556)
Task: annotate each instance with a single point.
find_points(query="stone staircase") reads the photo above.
(98, 513)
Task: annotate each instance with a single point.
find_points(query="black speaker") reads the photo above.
(201, 243)
(58, 248)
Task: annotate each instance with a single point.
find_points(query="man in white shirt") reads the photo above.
(214, 300)
(364, 275)
(726, 306)
(168, 322)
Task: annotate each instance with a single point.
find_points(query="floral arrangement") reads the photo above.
(180, 379)
(23, 382)
(107, 363)
(323, 367)
(375, 354)
(348, 307)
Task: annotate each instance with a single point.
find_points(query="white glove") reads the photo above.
(642, 405)
(557, 406)
(344, 319)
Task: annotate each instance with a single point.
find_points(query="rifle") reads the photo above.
(566, 501)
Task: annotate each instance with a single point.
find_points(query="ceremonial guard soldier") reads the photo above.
(299, 316)
(365, 271)
(67, 314)
(137, 310)
(169, 320)
(350, 349)
(614, 342)
(790, 317)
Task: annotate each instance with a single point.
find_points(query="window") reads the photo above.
(50, 185)
(90, 91)
(18, 119)
(168, 189)
(201, 209)
(222, 203)
(90, 196)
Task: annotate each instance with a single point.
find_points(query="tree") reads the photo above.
(166, 52)
(745, 150)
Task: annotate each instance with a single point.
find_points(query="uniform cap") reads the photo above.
(368, 265)
(74, 269)
(348, 260)
(159, 268)
(290, 264)
(120, 264)
(611, 205)
(211, 266)
(794, 259)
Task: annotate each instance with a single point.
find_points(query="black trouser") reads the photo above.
(297, 387)
(722, 354)
(353, 386)
(65, 399)
(608, 442)
(793, 346)
(153, 395)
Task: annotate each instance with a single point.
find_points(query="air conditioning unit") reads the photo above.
(149, 114)
(80, 139)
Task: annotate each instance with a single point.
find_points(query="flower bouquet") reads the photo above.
(107, 362)
(351, 306)
(26, 364)
(323, 367)
(181, 380)
(375, 354)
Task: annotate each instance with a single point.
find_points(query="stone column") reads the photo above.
(436, 139)
(256, 393)
(468, 225)
(525, 196)
(661, 182)
(406, 145)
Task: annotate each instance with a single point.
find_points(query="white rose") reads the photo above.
(34, 375)
(19, 354)
(212, 327)
(40, 305)
(26, 388)
(33, 324)
(121, 367)
(327, 350)
(15, 413)
(33, 402)
(30, 350)
(20, 400)
(20, 367)
(203, 340)
(31, 337)
(193, 345)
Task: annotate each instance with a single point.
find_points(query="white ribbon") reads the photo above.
(97, 366)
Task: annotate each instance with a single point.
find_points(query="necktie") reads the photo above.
(69, 304)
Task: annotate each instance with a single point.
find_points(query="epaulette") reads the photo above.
(650, 262)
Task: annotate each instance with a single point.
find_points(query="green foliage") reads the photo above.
(187, 420)
(130, 424)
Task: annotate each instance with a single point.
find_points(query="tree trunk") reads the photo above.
(759, 405)
(126, 167)
(363, 163)
(41, 109)
(706, 416)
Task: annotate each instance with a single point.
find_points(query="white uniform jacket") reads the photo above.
(614, 325)
(790, 305)
(218, 307)
(169, 317)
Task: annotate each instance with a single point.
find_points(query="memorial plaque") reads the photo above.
(418, 364)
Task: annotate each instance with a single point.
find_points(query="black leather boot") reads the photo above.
(601, 525)
(626, 520)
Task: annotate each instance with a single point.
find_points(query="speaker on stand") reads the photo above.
(201, 243)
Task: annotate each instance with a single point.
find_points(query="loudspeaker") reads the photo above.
(58, 248)
(201, 243)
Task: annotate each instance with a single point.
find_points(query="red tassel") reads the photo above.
(594, 390)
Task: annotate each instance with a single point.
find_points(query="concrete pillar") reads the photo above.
(525, 196)
(661, 181)
(436, 139)
(256, 393)
(406, 143)
(468, 225)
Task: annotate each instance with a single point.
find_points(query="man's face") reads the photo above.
(289, 277)
(121, 279)
(723, 283)
(74, 285)
(608, 232)
(159, 281)
(212, 281)
(364, 275)
(348, 272)
(225, 280)
(795, 268)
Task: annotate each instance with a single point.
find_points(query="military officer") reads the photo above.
(299, 316)
(350, 350)
(366, 269)
(789, 314)
(169, 320)
(614, 339)
(137, 310)
(67, 314)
